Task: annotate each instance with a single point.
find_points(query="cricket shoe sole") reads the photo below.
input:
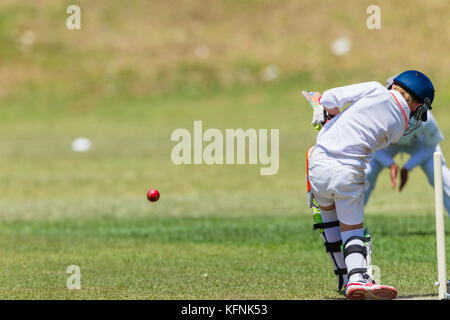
(370, 291)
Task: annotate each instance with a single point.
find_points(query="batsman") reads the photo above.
(375, 117)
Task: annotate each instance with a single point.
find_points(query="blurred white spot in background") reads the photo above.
(341, 46)
(202, 51)
(81, 145)
(27, 40)
(270, 72)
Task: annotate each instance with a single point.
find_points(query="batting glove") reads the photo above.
(319, 113)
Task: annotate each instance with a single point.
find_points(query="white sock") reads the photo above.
(354, 260)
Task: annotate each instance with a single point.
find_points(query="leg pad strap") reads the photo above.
(356, 270)
(340, 272)
(333, 246)
(363, 239)
(325, 225)
(354, 248)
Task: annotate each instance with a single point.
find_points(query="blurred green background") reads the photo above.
(139, 69)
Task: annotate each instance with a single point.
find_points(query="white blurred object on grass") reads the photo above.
(81, 145)
(270, 72)
(341, 46)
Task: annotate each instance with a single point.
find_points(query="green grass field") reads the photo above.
(218, 232)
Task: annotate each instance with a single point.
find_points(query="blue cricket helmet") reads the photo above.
(422, 89)
(418, 85)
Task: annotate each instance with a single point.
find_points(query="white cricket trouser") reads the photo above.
(333, 180)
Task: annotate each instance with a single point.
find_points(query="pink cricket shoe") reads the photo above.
(369, 291)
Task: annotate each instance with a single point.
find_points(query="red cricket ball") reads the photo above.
(153, 195)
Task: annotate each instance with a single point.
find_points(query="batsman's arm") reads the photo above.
(336, 98)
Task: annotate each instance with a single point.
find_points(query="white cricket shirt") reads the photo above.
(376, 118)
